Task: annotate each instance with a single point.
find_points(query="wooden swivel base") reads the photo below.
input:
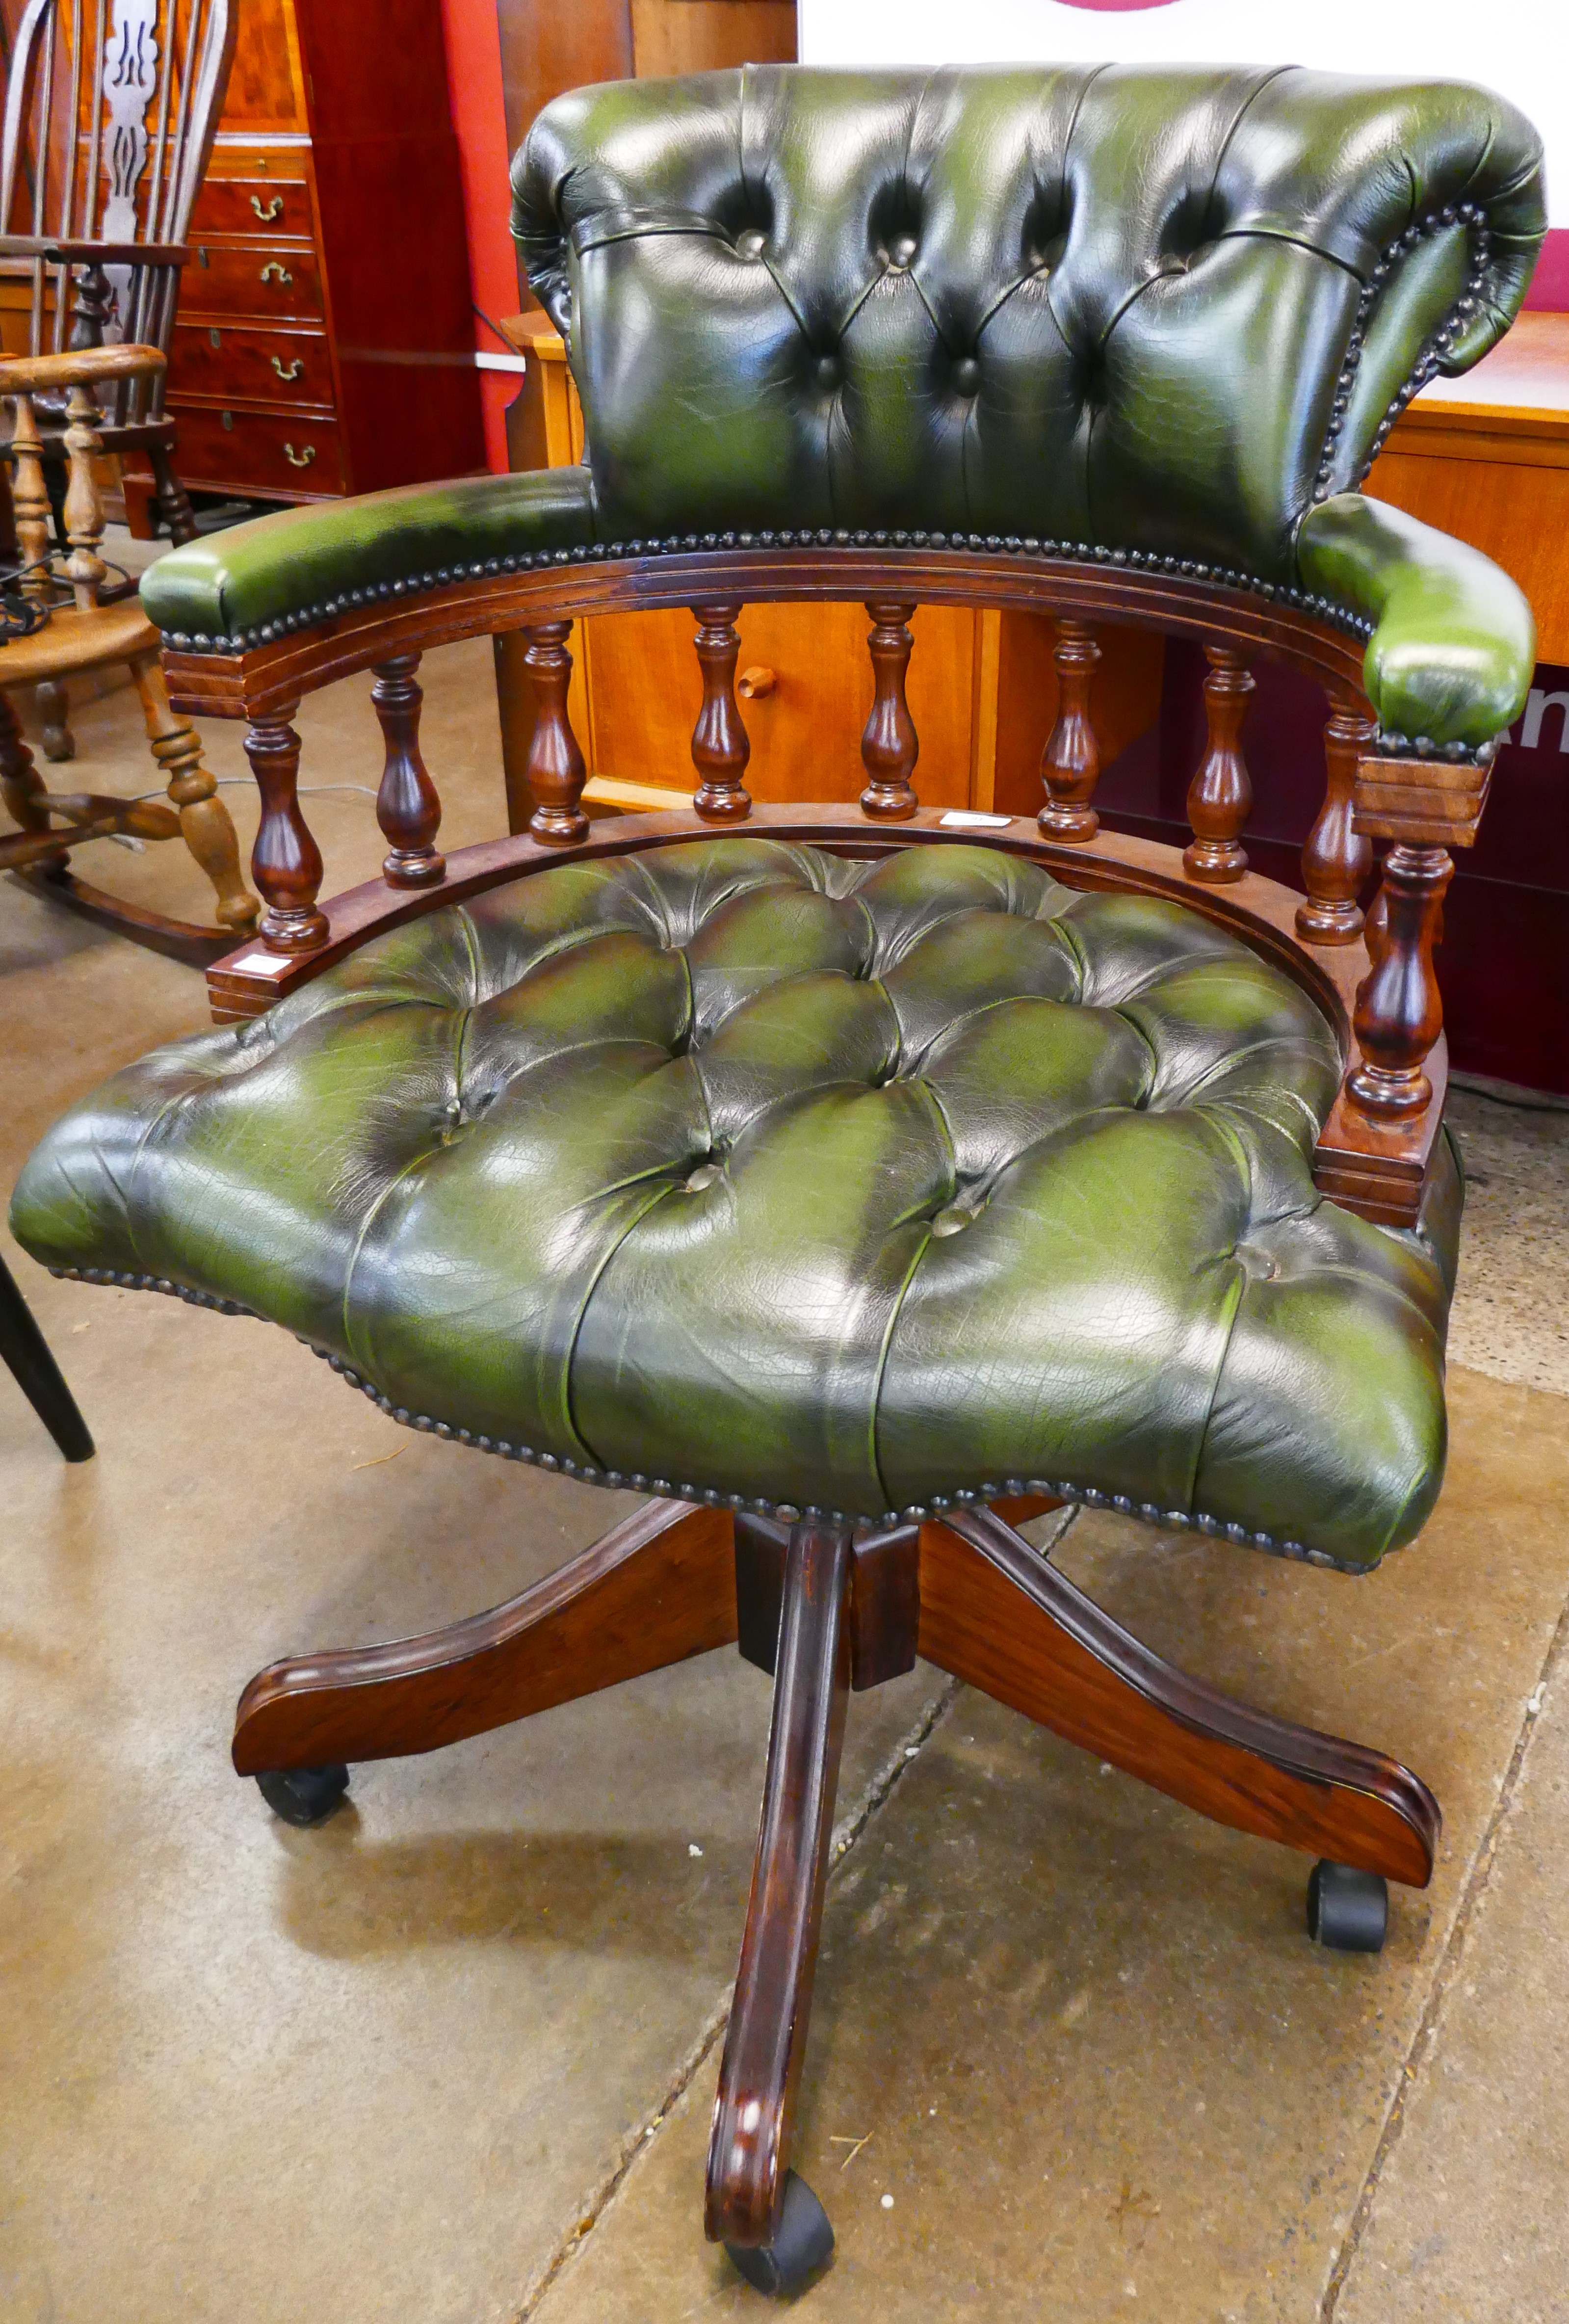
(827, 1609)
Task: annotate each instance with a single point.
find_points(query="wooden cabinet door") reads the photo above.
(643, 691)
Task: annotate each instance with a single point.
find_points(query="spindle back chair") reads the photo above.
(111, 107)
(75, 624)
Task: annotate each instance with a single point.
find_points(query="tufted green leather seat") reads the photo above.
(739, 1165)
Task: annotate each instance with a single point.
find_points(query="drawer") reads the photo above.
(224, 448)
(269, 206)
(274, 157)
(247, 362)
(251, 278)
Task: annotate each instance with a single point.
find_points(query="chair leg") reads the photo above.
(204, 820)
(754, 2205)
(54, 708)
(26, 1352)
(22, 787)
(656, 1590)
(997, 1614)
(170, 498)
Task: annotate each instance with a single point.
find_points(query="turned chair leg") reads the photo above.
(22, 789)
(26, 1352)
(774, 2229)
(205, 823)
(59, 744)
(169, 497)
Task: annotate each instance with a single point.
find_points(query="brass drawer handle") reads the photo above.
(273, 273)
(755, 683)
(273, 209)
(293, 370)
(299, 459)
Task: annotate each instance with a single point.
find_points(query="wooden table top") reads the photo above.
(1514, 406)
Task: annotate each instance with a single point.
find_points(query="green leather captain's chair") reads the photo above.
(855, 1181)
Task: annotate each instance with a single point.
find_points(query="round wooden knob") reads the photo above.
(754, 682)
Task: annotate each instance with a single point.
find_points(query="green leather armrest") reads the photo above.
(1452, 655)
(235, 583)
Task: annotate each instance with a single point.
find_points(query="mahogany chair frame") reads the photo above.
(827, 1605)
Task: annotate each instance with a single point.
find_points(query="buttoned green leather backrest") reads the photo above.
(1153, 310)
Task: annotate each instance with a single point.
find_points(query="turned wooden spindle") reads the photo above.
(84, 510)
(720, 747)
(285, 862)
(556, 768)
(1400, 1011)
(1220, 794)
(1070, 765)
(1336, 859)
(407, 804)
(30, 502)
(890, 745)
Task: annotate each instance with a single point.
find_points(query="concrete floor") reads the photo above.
(451, 2056)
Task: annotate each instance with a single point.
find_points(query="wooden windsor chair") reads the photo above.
(83, 626)
(111, 107)
(110, 110)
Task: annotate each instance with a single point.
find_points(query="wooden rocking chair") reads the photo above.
(80, 631)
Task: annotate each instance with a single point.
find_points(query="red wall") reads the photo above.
(473, 69)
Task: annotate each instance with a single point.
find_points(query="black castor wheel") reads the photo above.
(1347, 1910)
(304, 1795)
(804, 2244)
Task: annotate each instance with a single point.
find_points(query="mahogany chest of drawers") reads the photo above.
(325, 343)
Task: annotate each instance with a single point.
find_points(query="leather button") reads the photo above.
(826, 370)
(901, 251)
(750, 243)
(704, 1175)
(967, 376)
(951, 1223)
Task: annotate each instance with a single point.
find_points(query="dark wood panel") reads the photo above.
(394, 235)
(546, 49)
(683, 36)
(374, 69)
(265, 89)
(252, 363)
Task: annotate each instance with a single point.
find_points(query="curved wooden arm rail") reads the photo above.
(1376, 1148)
(79, 367)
